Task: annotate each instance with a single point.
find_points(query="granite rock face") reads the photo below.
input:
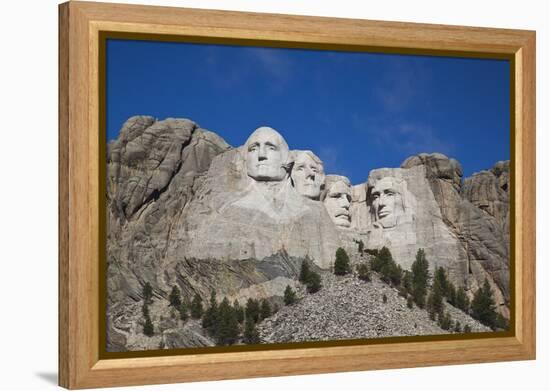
(186, 209)
(482, 239)
(235, 217)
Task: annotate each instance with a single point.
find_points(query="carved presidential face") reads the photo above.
(385, 202)
(337, 202)
(307, 175)
(266, 155)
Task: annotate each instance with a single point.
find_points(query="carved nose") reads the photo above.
(344, 203)
(261, 154)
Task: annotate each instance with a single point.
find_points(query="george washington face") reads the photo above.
(266, 155)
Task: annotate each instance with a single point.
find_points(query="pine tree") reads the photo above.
(313, 283)
(252, 310)
(304, 272)
(147, 293)
(420, 276)
(250, 335)
(265, 309)
(184, 311)
(360, 246)
(145, 310)
(462, 301)
(175, 297)
(196, 306)
(445, 321)
(148, 328)
(406, 281)
(341, 264)
(239, 311)
(210, 317)
(410, 302)
(290, 296)
(451, 294)
(458, 328)
(435, 301)
(384, 298)
(381, 260)
(440, 276)
(467, 329)
(363, 272)
(227, 327)
(483, 306)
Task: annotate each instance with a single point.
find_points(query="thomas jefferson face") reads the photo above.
(266, 155)
(337, 202)
(384, 195)
(307, 175)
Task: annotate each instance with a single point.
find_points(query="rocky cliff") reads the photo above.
(186, 209)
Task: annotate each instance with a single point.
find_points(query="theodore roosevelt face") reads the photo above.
(307, 174)
(266, 155)
(337, 202)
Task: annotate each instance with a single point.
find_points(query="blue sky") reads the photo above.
(357, 111)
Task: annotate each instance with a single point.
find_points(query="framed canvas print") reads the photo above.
(247, 195)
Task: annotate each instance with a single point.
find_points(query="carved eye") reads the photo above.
(253, 148)
(300, 168)
(375, 195)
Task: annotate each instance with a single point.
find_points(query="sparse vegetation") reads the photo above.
(239, 311)
(184, 311)
(250, 335)
(196, 307)
(462, 301)
(175, 297)
(313, 282)
(360, 246)
(435, 301)
(341, 264)
(458, 328)
(310, 278)
(147, 293)
(420, 276)
(384, 298)
(148, 328)
(384, 264)
(363, 272)
(210, 317)
(445, 321)
(252, 311)
(304, 272)
(483, 306)
(289, 296)
(226, 325)
(265, 309)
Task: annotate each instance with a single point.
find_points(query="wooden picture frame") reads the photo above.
(80, 173)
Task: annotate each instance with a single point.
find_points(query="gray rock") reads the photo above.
(185, 209)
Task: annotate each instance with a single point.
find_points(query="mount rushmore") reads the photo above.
(186, 209)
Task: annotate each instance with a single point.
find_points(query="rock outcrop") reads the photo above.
(482, 239)
(186, 209)
(348, 308)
